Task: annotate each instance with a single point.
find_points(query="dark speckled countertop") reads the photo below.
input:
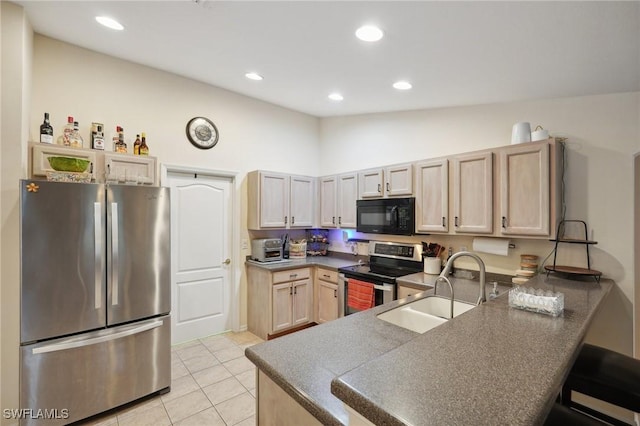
(332, 262)
(491, 365)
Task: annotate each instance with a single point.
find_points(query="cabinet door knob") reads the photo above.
(333, 220)
(388, 187)
(504, 221)
(335, 293)
(227, 261)
(379, 188)
(295, 290)
(339, 220)
(455, 221)
(293, 220)
(285, 220)
(290, 290)
(444, 221)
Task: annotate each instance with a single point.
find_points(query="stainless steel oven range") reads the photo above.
(387, 261)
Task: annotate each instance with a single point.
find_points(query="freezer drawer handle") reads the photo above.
(114, 254)
(99, 258)
(71, 344)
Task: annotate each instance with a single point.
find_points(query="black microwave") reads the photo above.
(386, 216)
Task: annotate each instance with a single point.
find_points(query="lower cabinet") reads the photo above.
(326, 295)
(277, 301)
(292, 305)
(404, 291)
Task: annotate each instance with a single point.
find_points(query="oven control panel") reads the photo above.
(396, 250)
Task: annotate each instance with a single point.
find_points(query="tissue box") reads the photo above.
(537, 300)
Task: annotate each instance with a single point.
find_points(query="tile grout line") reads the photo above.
(230, 345)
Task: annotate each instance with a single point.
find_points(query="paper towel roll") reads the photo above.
(491, 245)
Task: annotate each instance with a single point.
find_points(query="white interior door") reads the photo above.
(201, 229)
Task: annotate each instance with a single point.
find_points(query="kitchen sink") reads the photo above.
(424, 314)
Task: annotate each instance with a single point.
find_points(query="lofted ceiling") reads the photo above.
(453, 53)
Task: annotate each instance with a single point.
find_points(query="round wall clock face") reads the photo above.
(202, 133)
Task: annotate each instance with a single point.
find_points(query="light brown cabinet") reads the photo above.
(278, 301)
(338, 196)
(432, 196)
(105, 166)
(328, 201)
(524, 189)
(326, 286)
(280, 201)
(404, 291)
(392, 181)
(473, 193)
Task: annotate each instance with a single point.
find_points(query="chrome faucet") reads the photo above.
(482, 297)
(435, 288)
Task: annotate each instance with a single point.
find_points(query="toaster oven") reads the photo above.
(266, 249)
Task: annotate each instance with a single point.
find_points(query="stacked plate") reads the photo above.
(528, 268)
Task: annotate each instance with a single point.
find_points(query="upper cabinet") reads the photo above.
(528, 189)
(328, 201)
(302, 201)
(432, 196)
(281, 201)
(347, 197)
(392, 181)
(454, 195)
(473, 193)
(338, 195)
(105, 166)
(371, 183)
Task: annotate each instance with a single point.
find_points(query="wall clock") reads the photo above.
(202, 133)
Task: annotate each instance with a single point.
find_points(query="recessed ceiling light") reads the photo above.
(336, 97)
(369, 33)
(253, 76)
(109, 23)
(402, 85)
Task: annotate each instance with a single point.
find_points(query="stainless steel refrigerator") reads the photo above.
(95, 298)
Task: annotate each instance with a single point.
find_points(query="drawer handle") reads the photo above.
(285, 220)
(333, 220)
(293, 275)
(443, 221)
(290, 290)
(293, 220)
(339, 220)
(504, 222)
(335, 293)
(455, 221)
(295, 290)
(326, 276)
(379, 188)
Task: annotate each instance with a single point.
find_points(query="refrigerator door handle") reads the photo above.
(73, 343)
(114, 254)
(99, 255)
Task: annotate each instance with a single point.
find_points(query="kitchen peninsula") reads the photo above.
(491, 365)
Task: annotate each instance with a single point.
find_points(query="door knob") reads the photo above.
(227, 262)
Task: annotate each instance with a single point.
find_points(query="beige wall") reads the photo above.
(15, 83)
(603, 136)
(253, 134)
(68, 80)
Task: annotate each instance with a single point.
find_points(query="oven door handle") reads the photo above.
(383, 287)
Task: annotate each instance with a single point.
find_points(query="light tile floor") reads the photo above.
(212, 384)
